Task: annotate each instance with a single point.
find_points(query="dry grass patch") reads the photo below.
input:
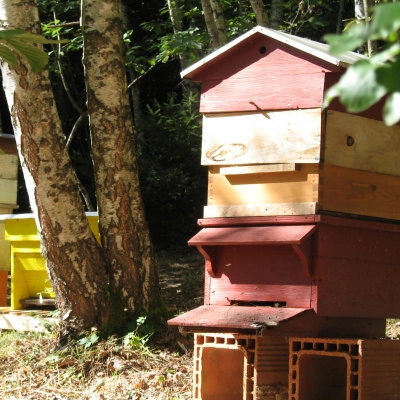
(117, 368)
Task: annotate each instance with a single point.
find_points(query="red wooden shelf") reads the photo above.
(296, 236)
(236, 317)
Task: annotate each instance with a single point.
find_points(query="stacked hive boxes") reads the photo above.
(29, 278)
(300, 232)
(8, 202)
(300, 162)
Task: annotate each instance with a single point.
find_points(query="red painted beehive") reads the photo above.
(301, 233)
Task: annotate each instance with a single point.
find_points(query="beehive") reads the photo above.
(29, 278)
(8, 202)
(272, 150)
(295, 234)
(340, 267)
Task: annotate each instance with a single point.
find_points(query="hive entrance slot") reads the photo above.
(258, 303)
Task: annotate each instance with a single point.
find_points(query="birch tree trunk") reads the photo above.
(124, 233)
(277, 8)
(175, 14)
(260, 12)
(74, 260)
(361, 9)
(215, 23)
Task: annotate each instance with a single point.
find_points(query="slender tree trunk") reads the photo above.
(361, 8)
(339, 21)
(124, 233)
(260, 12)
(219, 21)
(74, 261)
(215, 23)
(175, 14)
(277, 7)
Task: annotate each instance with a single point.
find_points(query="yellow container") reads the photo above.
(29, 278)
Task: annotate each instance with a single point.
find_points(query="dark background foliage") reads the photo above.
(165, 109)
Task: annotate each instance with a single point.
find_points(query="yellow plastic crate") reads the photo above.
(29, 278)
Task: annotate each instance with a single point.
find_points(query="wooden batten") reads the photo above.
(260, 210)
(274, 137)
(259, 169)
(362, 143)
(265, 188)
(359, 192)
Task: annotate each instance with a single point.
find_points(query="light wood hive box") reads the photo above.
(272, 150)
(300, 162)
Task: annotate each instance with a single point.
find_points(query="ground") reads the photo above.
(115, 369)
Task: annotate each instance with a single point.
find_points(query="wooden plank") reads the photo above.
(259, 169)
(257, 189)
(254, 221)
(24, 321)
(362, 143)
(8, 166)
(359, 192)
(255, 235)
(8, 191)
(262, 138)
(237, 317)
(253, 274)
(282, 77)
(260, 210)
(357, 288)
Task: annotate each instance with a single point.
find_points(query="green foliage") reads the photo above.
(140, 334)
(19, 42)
(370, 79)
(310, 18)
(172, 179)
(168, 44)
(89, 341)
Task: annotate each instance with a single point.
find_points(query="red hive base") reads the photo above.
(229, 366)
(344, 369)
(240, 367)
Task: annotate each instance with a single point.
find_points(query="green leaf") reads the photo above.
(386, 21)
(358, 88)
(354, 37)
(388, 76)
(7, 55)
(388, 54)
(20, 42)
(391, 109)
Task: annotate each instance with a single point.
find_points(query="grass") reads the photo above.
(116, 368)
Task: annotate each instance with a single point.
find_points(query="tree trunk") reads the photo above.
(74, 261)
(361, 8)
(124, 233)
(277, 8)
(260, 12)
(215, 23)
(176, 16)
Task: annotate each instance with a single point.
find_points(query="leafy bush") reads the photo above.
(172, 179)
